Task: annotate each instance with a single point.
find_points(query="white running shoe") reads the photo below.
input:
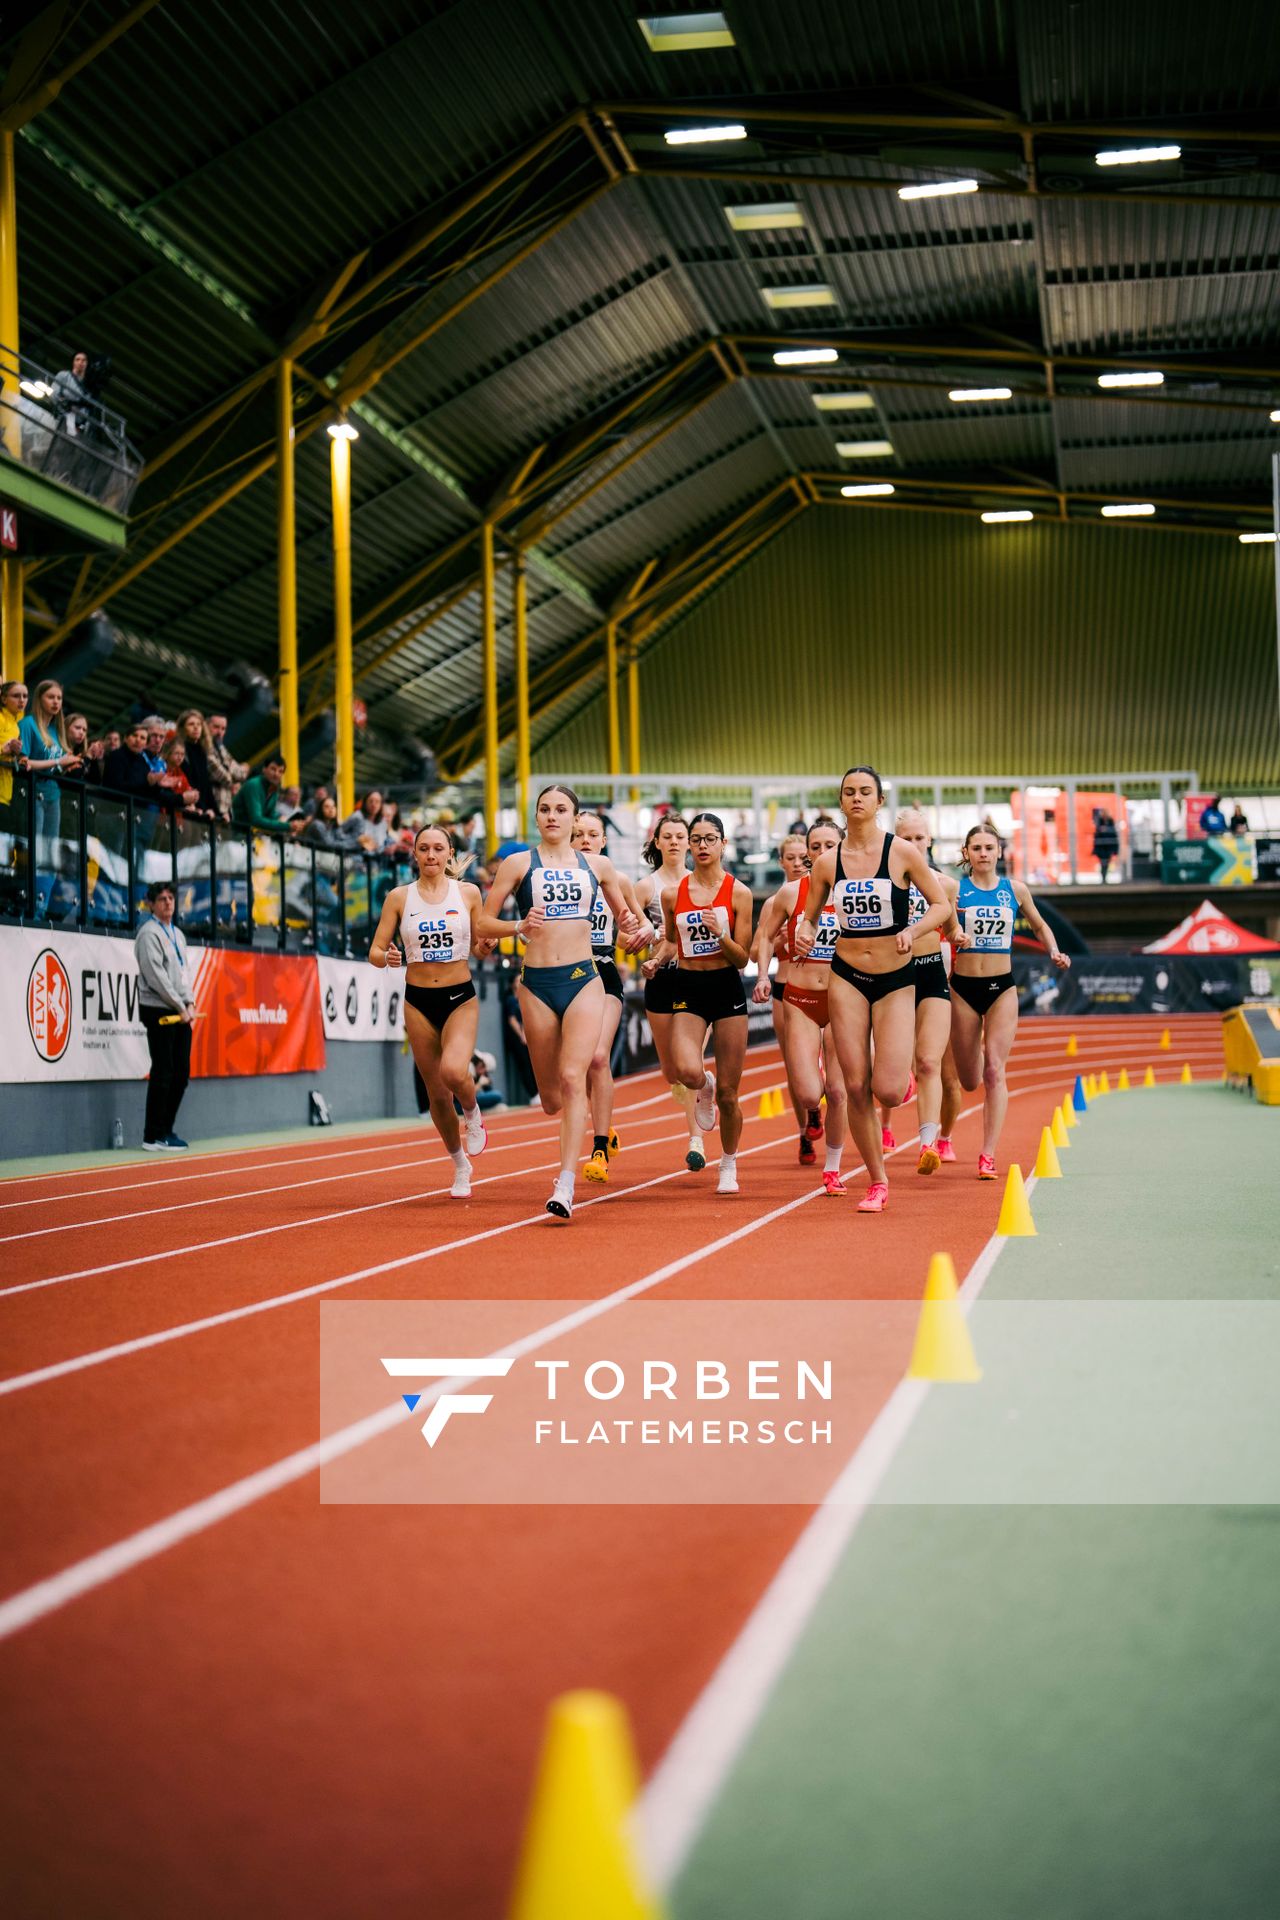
(704, 1106)
(728, 1181)
(461, 1188)
(560, 1205)
(476, 1134)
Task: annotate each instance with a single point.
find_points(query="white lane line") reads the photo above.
(34, 1603)
(688, 1779)
(59, 1369)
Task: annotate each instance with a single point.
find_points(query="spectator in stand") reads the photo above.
(71, 400)
(43, 736)
(126, 769)
(290, 811)
(1239, 820)
(1106, 840)
(1213, 819)
(13, 704)
(225, 772)
(399, 837)
(194, 736)
(255, 803)
(111, 740)
(79, 742)
(325, 830)
(164, 989)
(175, 778)
(368, 823)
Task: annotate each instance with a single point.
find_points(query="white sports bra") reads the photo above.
(435, 932)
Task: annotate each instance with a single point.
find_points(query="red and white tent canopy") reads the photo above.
(1210, 931)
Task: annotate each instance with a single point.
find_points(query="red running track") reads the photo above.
(281, 1708)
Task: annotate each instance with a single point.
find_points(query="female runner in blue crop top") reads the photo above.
(559, 990)
(872, 988)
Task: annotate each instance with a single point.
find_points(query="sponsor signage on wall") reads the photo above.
(360, 1002)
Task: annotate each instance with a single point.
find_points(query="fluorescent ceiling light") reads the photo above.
(38, 389)
(980, 393)
(1136, 156)
(1274, 414)
(1008, 513)
(814, 295)
(1130, 379)
(805, 357)
(1257, 539)
(865, 491)
(343, 430)
(864, 449)
(698, 136)
(1128, 510)
(764, 216)
(843, 402)
(684, 32)
(936, 189)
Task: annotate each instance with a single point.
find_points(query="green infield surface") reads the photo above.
(1056, 1706)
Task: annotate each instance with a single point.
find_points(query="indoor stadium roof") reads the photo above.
(462, 222)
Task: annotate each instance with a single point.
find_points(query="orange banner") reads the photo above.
(262, 1014)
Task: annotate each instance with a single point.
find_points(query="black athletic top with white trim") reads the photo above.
(872, 909)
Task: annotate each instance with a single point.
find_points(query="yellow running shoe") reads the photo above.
(614, 1143)
(597, 1167)
(930, 1160)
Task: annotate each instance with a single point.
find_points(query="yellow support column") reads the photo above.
(341, 436)
(633, 717)
(489, 630)
(521, 586)
(287, 576)
(10, 425)
(611, 688)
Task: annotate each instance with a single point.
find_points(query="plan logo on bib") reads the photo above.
(49, 1006)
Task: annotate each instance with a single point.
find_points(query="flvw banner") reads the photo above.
(69, 1008)
(361, 1002)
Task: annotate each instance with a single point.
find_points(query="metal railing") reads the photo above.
(68, 437)
(80, 857)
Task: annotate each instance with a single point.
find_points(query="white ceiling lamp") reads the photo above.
(865, 449)
(1274, 414)
(1131, 379)
(1257, 539)
(805, 357)
(1128, 510)
(764, 216)
(960, 394)
(1135, 156)
(703, 136)
(684, 32)
(343, 430)
(813, 295)
(1007, 513)
(843, 402)
(937, 189)
(38, 389)
(867, 490)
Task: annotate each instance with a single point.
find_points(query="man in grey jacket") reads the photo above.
(166, 1006)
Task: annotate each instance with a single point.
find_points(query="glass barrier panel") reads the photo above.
(195, 876)
(356, 901)
(231, 853)
(106, 825)
(266, 890)
(386, 874)
(15, 844)
(58, 856)
(152, 850)
(298, 900)
(330, 933)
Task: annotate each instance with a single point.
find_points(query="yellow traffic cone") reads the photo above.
(1068, 1113)
(1122, 1084)
(1072, 1048)
(1148, 1078)
(943, 1349)
(1015, 1222)
(578, 1860)
(1104, 1085)
(765, 1110)
(1184, 1078)
(1047, 1167)
(779, 1103)
(1165, 1042)
(1058, 1130)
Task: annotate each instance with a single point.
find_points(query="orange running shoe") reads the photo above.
(986, 1166)
(875, 1199)
(930, 1160)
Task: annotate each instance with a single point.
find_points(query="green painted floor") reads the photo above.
(1048, 1711)
(223, 1143)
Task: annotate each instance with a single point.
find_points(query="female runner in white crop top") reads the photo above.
(434, 917)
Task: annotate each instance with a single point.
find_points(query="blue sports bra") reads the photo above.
(563, 893)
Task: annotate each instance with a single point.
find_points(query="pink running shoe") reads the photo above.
(813, 1124)
(887, 1142)
(910, 1093)
(875, 1199)
(946, 1152)
(986, 1166)
(832, 1183)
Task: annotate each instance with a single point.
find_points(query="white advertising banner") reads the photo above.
(69, 1008)
(361, 1002)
